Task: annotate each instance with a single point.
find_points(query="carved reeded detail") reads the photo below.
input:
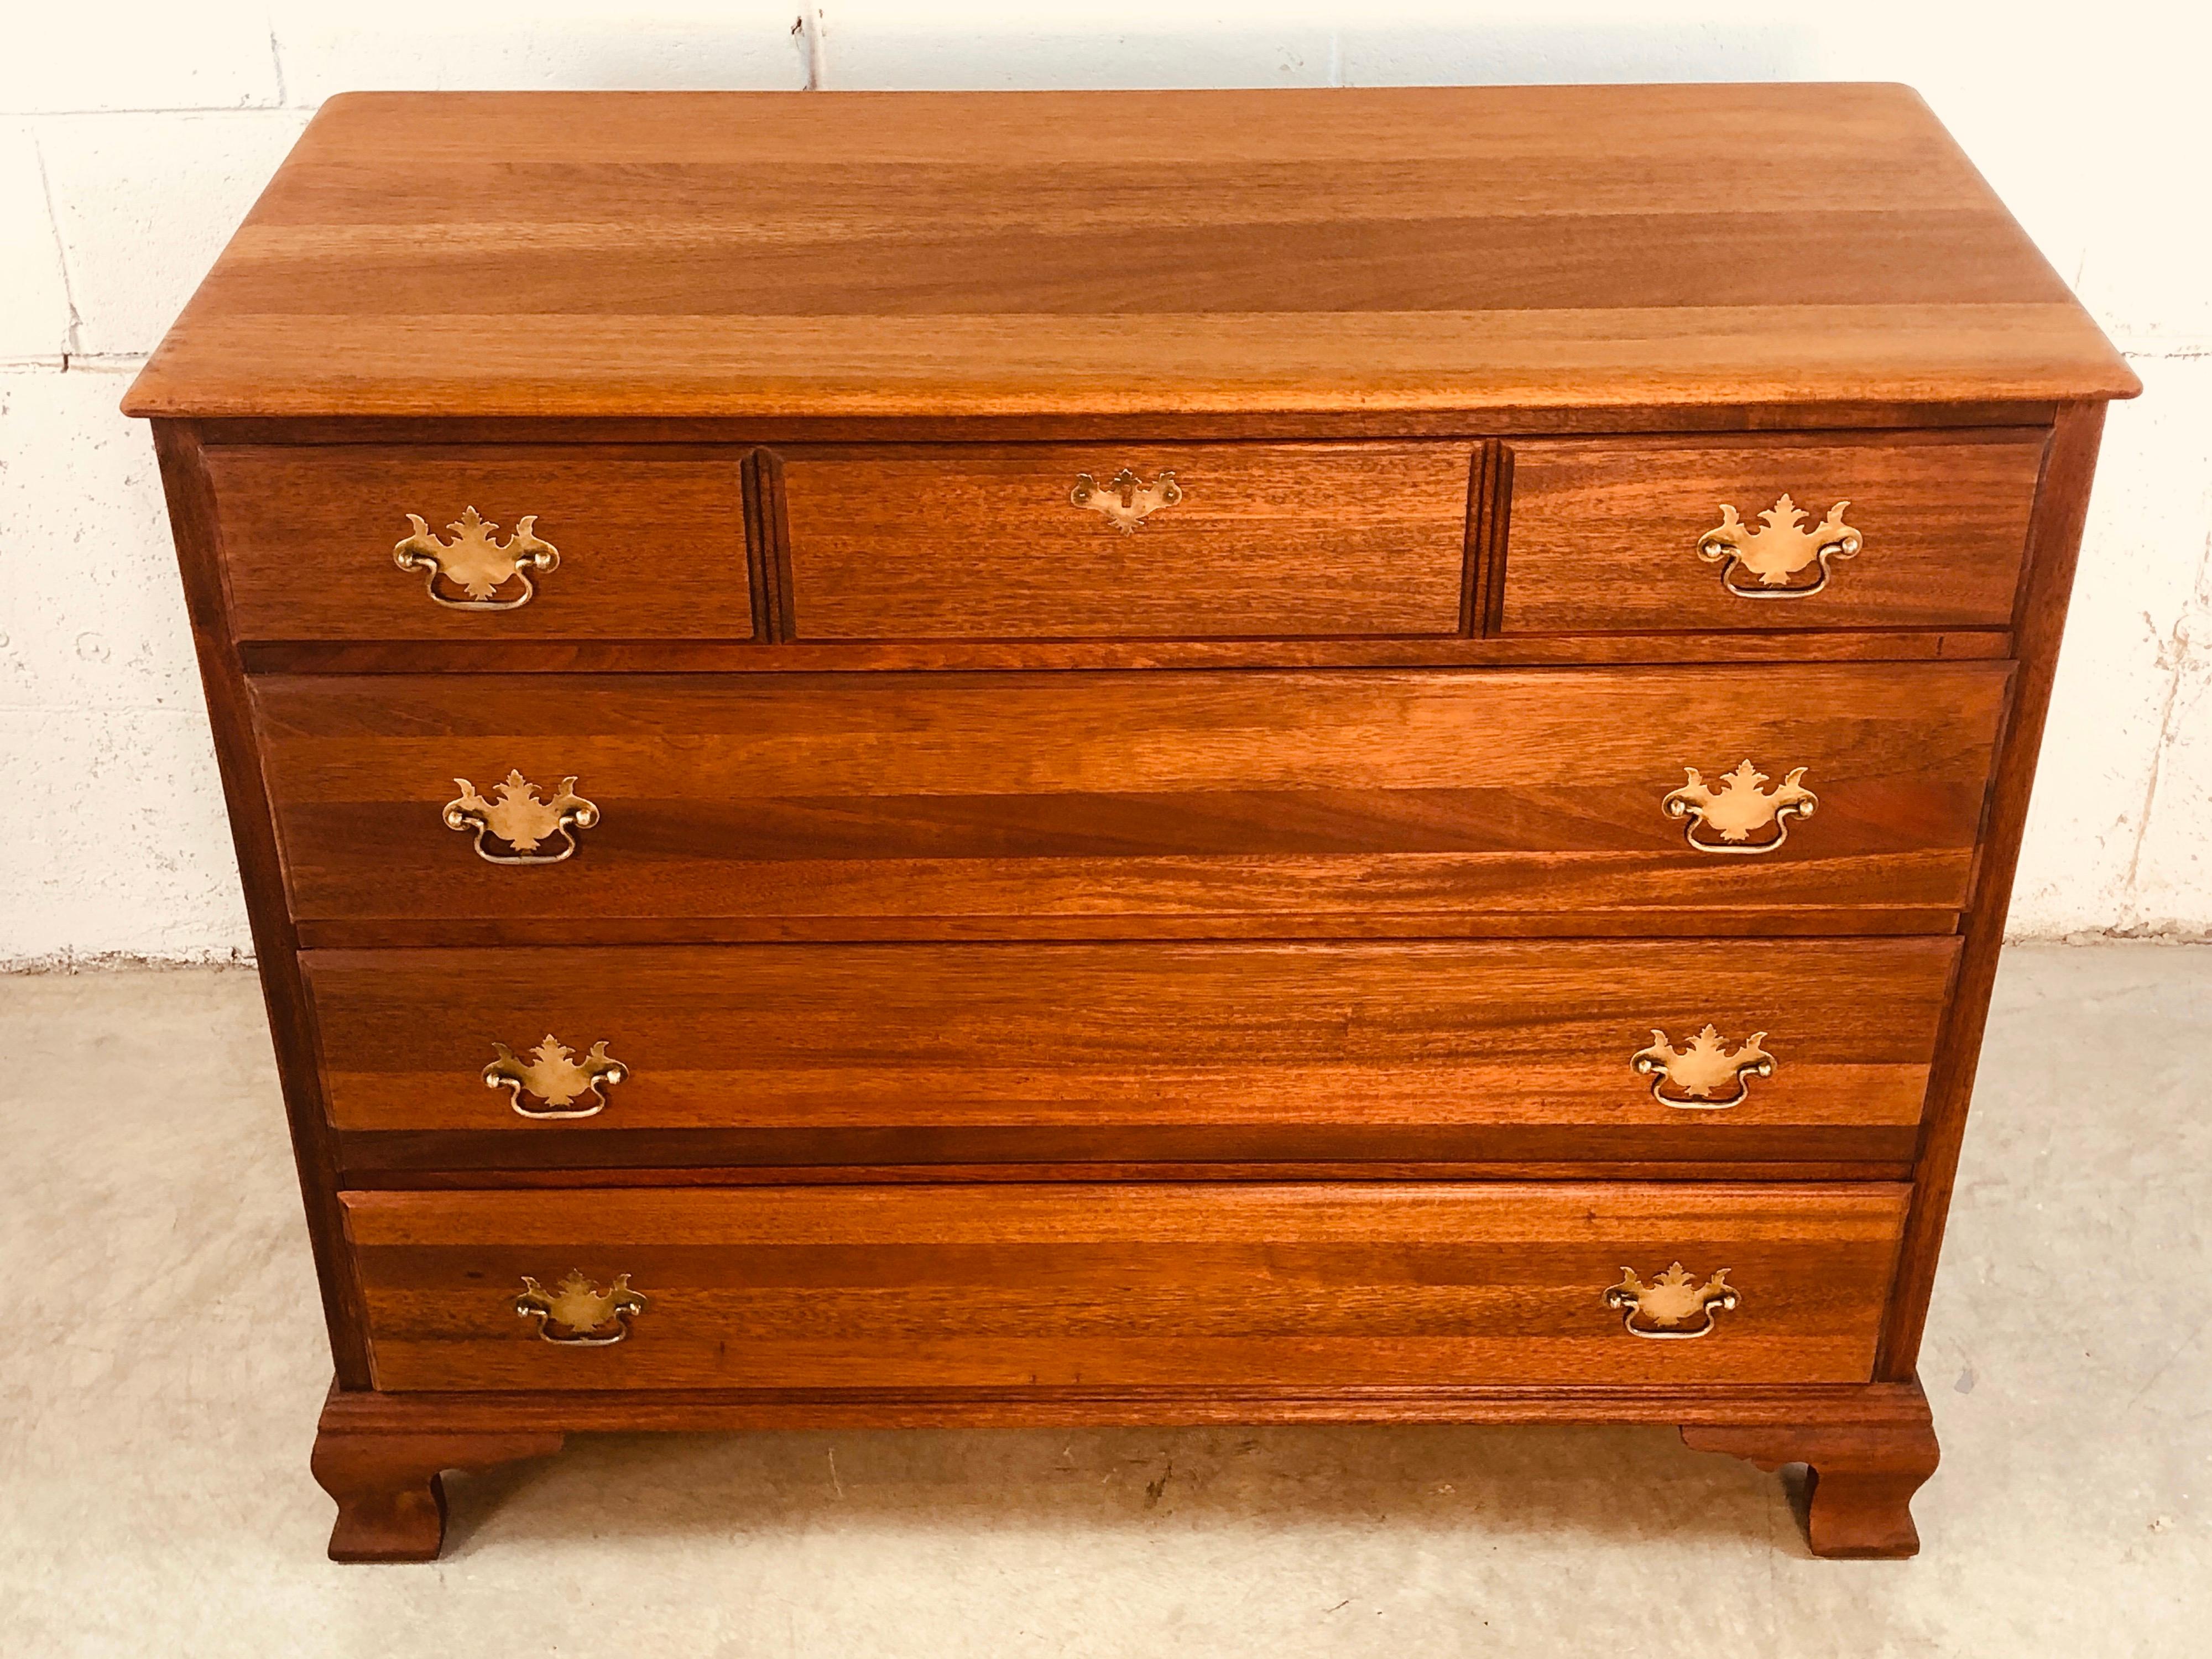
(1737, 806)
(519, 816)
(475, 563)
(1701, 1070)
(578, 1313)
(1780, 550)
(1126, 499)
(554, 1076)
(1673, 1299)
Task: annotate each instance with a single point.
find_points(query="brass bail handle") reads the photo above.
(1724, 817)
(577, 1314)
(523, 816)
(551, 1074)
(475, 562)
(1703, 1070)
(1780, 550)
(1664, 1310)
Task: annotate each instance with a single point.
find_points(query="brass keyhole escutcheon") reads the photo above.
(1126, 499)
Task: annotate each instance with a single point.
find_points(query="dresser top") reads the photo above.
(902, 255)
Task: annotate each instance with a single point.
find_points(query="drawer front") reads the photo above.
(1017, 1287)
(1258, 540)
(644, 543)
(1024, 803)
(1618, 536)
(1057, 1052)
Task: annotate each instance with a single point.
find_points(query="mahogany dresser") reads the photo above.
(1185, 758)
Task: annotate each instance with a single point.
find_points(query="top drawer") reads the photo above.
(643, 544)
(1918, 530)
(1105, 541)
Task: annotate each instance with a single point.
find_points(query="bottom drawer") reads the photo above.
(1311, 1285)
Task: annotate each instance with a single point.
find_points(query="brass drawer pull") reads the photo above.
(1737, 807)
(1780, 549)
(475, 563)
(1699, 1070)
(578, 1313)
(1672, 1300)
(553, 1075)
(1124, 498)
(522, 817)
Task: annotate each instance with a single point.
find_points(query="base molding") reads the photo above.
(380, 1455)
(1783, 1405)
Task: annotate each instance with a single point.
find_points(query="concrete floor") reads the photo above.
(161, 1372)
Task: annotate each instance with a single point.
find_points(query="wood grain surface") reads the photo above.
(2054, 545)
(652, 540)
(1134, 1052)
(998, 800)
(490, 1412)
(966, 543)
(1122, 1284)
(728, 657)
(1603, 535)
(841, 1053)
(276, 938)
(1006, 255)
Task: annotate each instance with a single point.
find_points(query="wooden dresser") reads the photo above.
(1296, 756)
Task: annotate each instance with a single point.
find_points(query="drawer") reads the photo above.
(966, 543)
(1066, 804)
(1632, 535)
(1133, 1052)
(645, 542)
(1311, 1285)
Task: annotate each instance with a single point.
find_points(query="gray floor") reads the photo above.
(160, 1378)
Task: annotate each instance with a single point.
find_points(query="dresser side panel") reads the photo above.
(2054, 545)
(253, 832)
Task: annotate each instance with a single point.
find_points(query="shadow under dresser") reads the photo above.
(1089, 758)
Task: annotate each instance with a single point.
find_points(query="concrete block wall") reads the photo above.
(133, 136)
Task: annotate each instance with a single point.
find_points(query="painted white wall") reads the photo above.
(134, 135)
